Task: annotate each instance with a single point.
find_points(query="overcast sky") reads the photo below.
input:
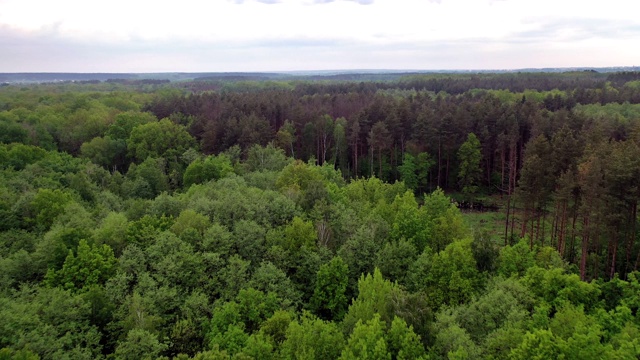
(272, 35)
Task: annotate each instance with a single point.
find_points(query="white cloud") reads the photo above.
(292, 34)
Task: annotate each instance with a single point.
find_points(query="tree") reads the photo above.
(24, 354)
(452, 277)
(112, 231)
(140, 344)
(47, 205)
(312, 339)
(209, 168)
(286, 137)
(452, 341)
(299, 233)
(51, 322)
(340, 156)
(443, 220)
(409, 222)
(374, 297)
(189, 219)
(272, 280)
(258, 346)
(125, 122)
(359, 253)
(367, 341)
(379, 138)
(469, 156)
(265, 158)
(92, 266)
(424, 163)
(535, 185)
(105, 151)
(159, 139)
(395, 259)
(537, 345)
(324, 131)
(403, 343)
(147, 180)
(408, 172)
(516, 259)
(329, 299)
(354, 139)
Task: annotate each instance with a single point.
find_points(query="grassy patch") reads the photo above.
(491, 222)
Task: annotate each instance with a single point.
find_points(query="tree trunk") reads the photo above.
(506, 223)
(523, 231)
(614, 252)
(446, 180)
(631, 237)
(544, 218)
(573, 236)
(585, 243)
(502, 166)
(355, 160)
(380, 162)
(371, 162)
(531, 237)
(439, 163)
(563, 229)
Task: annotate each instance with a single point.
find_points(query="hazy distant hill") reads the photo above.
(348, 75)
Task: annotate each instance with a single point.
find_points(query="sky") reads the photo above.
(302, 35)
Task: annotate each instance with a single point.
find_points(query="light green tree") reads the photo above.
(329, 299)
(367, 341)
(92, 266)
(374, 297)
(407, 172)
(159, 139)
(139, 344)
(404, 344)
(312, 339)
(469, 156)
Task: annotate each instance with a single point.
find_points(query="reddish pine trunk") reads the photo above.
(380, 162)
(523, 231)
(506, 223)
(502, 166)
(439, 163)
(563, 229)
(631, 236)
(585, 243)
(573, 235)
(613, 257)
(355, 159)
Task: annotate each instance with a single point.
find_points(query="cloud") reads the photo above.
(573, 30)
(222, 36)
(361, 2)
(268, 2)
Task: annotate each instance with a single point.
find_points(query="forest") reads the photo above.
(403, 216)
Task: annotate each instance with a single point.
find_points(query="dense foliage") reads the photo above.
(313, 220)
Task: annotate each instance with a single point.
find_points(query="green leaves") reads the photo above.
(139, 344)
(312, 339)
(47, 205)
(470, 156)
(159, 139)
(91, 266)
(329, 299)
(374, 299)
(367, 342)
(206, 169)
(233, 321)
